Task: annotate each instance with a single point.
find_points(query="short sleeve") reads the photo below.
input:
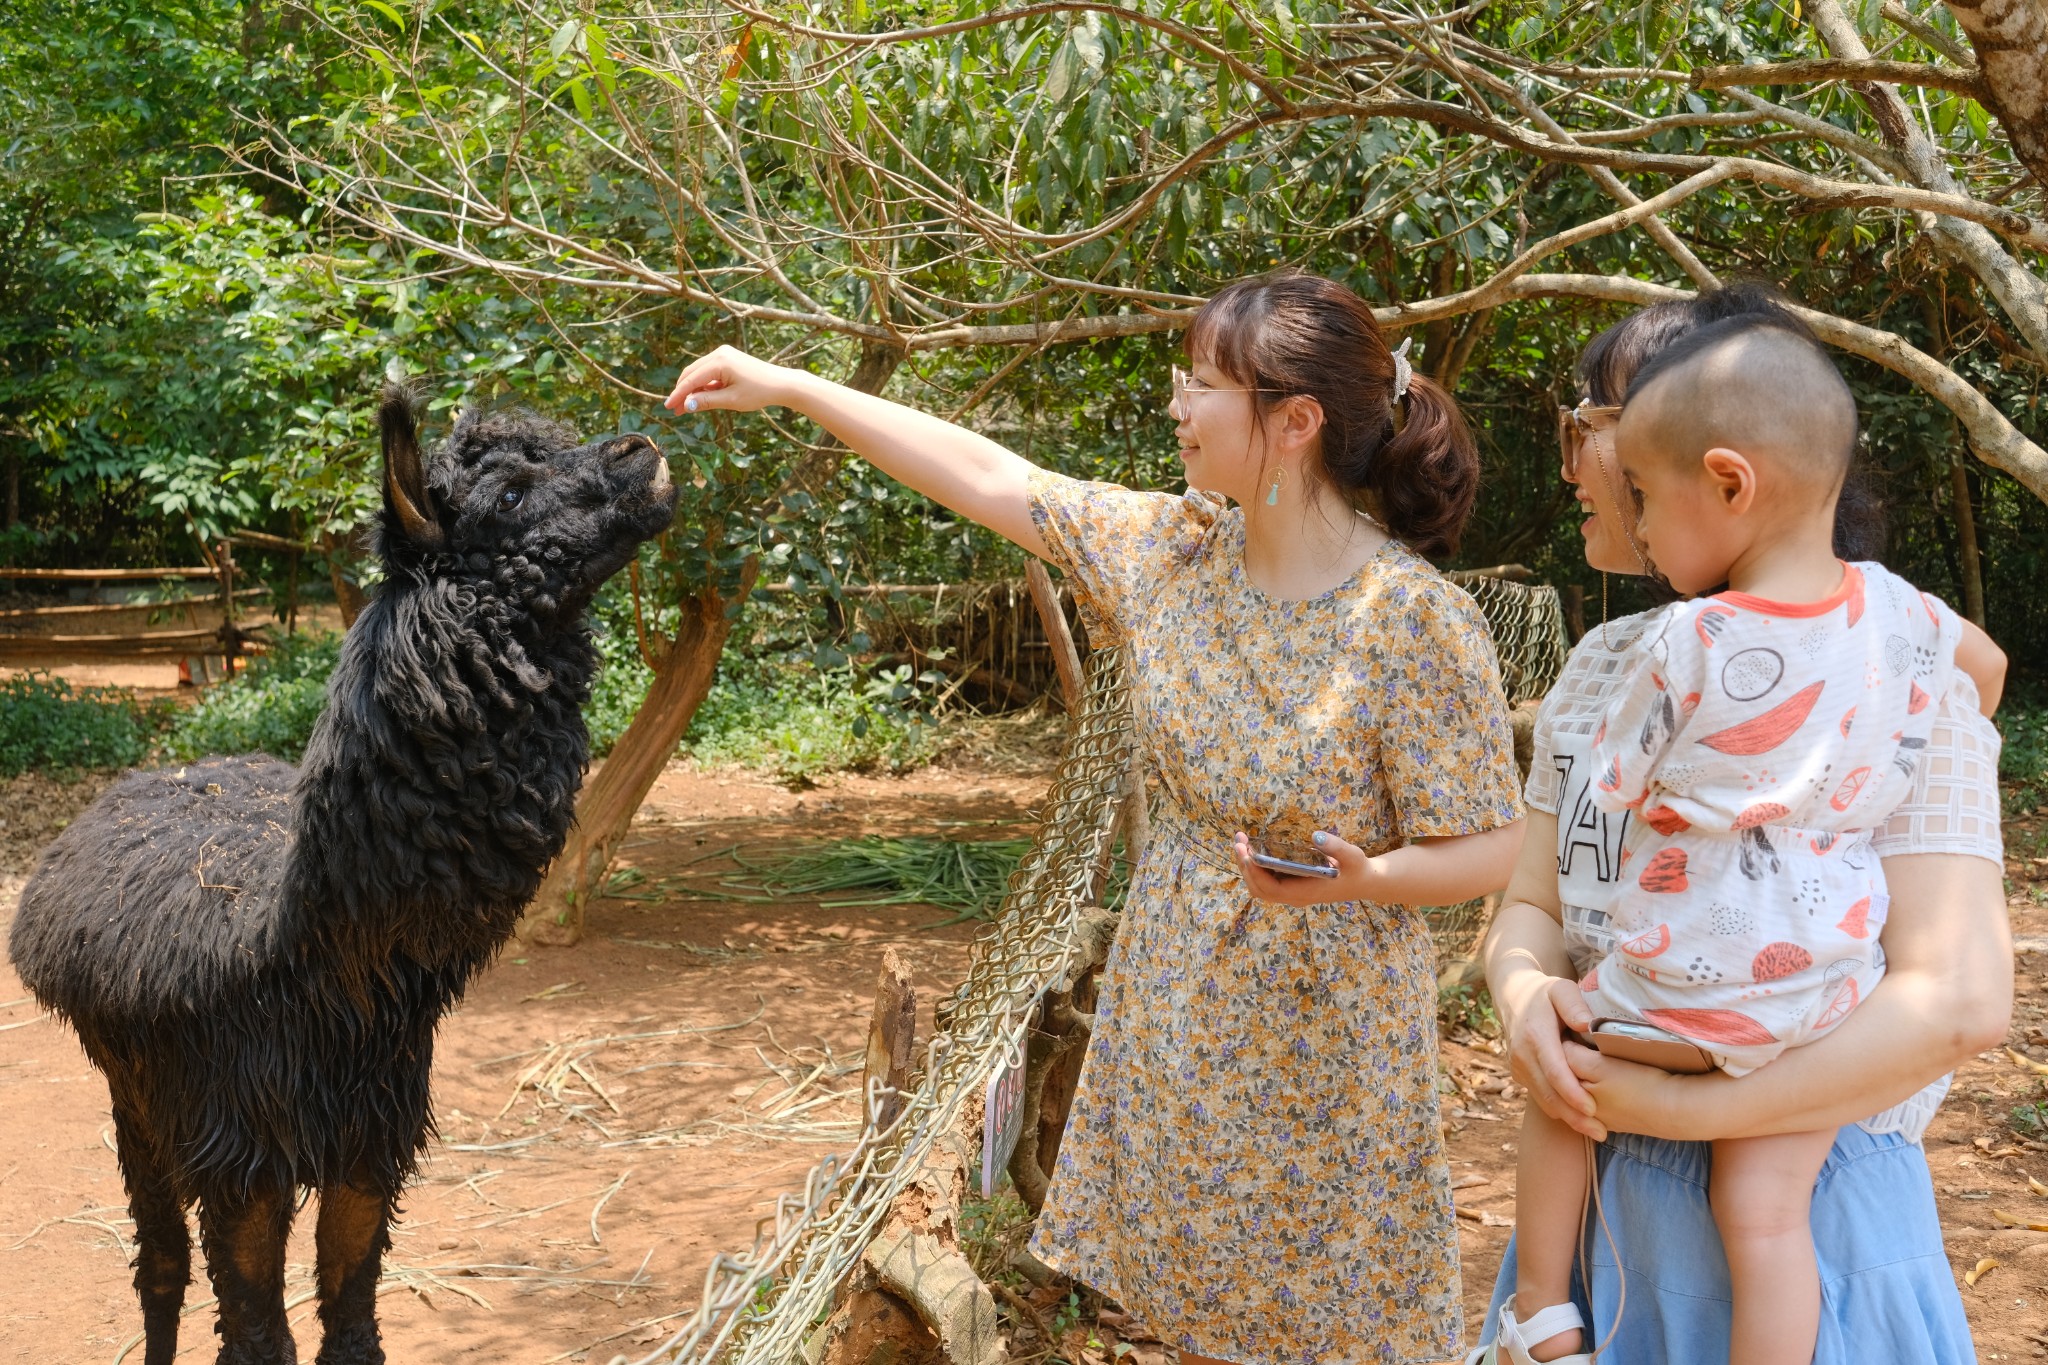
(1952, 805)
(1541, 790)
(1447, 752)
(1114, 544)
(1644, 721)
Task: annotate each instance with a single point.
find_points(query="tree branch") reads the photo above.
(2023, 295)
(1963, 82)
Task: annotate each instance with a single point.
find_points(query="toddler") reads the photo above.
(1768, 728)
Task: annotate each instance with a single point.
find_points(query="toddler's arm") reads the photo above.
(1984, 661)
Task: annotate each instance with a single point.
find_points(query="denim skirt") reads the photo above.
(1888, 1294)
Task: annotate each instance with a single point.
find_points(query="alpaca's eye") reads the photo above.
(510, 499)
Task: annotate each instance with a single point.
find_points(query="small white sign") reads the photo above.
(1002, 1119)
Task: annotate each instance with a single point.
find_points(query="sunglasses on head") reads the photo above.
(1577, 426)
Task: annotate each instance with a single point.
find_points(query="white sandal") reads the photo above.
(1512, 1339)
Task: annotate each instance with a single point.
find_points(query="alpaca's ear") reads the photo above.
(405, 470)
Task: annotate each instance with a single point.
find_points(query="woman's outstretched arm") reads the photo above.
(949, 464)
(1946, 996)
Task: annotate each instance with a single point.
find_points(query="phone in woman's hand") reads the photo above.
(1288, 868)
(1634, 1041)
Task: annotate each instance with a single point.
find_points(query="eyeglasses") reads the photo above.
(1185, 384)
(1578, 426)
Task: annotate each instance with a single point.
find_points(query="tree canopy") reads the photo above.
(227, 221)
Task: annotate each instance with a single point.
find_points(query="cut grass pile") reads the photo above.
(965, 876)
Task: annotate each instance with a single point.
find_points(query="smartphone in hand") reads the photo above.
(1288, 868)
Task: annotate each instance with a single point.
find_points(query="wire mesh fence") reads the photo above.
(758, 1308)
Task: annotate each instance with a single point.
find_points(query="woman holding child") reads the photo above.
(1253, 1163)
(1871, 1281)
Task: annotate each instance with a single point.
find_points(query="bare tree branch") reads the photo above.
(1963, 82)
(2023, 295)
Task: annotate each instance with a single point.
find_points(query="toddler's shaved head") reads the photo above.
(1760, 386)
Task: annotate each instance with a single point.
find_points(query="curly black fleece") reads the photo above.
(257, 956)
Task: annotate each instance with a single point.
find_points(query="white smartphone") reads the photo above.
(1288, 868)
(1633, 1041)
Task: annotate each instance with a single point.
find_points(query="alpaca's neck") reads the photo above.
(442, 777)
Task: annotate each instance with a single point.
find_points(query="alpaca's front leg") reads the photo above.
(245, 1241)
(163, 1244)
(352, 1237)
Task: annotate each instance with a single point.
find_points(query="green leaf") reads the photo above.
(1059, 80)
(595, 45)
(1088, 44)
(397, 19)
(569, 32)
(860, 110)
(1283, 19)
(581, 96)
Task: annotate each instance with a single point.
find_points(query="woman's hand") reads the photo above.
(1354, 880)
(730, 380)
(1633, 1098)
(1547, 1064)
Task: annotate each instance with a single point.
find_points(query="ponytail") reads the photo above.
(1290, 334)
(1426, 478)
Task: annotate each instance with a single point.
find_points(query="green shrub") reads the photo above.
(790, 716)
(47, 724)
(270, 708)
(799, 720)
(617, 691)
(2030, 1120)
(2023, 763)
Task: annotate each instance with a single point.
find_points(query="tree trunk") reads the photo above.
(608, 804)
(1971, 560)
(2011, 42)
(348, 595)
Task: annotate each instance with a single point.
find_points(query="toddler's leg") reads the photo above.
(1761, 1194)
(1550, 1196)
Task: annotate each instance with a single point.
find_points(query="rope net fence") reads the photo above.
(760, 1307)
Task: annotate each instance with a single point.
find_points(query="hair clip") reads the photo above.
(1403, 371)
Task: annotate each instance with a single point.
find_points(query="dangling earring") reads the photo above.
(1273, 493)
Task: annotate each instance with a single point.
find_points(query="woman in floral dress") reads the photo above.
(1254, 1163)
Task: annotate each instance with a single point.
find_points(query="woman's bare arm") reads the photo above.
(949, 464)
(1438, 871)
(1946, 996)
(1530, 976)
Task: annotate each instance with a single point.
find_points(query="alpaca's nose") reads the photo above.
(620, 447)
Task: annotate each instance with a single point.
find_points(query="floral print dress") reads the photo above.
(1254, 1162)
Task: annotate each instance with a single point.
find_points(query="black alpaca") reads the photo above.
(257, 956)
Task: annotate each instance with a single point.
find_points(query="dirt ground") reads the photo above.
(614, 1114)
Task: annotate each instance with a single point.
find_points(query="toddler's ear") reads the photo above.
(1733, 478)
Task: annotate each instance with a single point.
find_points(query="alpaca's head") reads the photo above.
(513, 496)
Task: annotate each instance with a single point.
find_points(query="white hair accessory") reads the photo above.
(1403, 371)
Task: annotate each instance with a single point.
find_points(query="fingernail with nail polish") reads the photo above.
(690, 403)
(1320, 838)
